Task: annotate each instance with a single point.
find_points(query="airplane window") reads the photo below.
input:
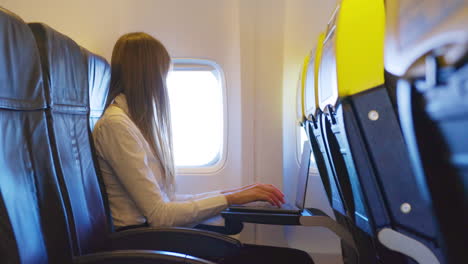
(301, 139)
(196, 97)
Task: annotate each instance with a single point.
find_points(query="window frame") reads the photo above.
(206, 64)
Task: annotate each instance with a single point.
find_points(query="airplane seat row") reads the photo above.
(310, 119)
(52, 203)
(388, 135)
(90, 219)
(28, 187)
(309, 116)
(350, 210)
(44, 111)
(326, 169)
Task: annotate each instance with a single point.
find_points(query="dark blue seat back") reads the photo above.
(65, 68)
(433, 108)
(33, 226)
(384, 170)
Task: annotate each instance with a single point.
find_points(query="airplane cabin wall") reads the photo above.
(260, 44)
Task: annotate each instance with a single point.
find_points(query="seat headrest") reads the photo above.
(21, 85)
(360, 33)
(311, 82)
(327, 78)
(301, 117)
(416, 28)
(65, 66)
(352, 59)
(99, 80)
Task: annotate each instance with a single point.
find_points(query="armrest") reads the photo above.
(198, 243)
(138, 257)
(230, 227)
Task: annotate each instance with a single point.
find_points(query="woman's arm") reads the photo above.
(243, 193)
(186, 197)
(238, 189)
(123, 148)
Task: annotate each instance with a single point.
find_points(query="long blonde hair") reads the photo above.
(140, 64)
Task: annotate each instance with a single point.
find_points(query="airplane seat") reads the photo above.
(66, 81)
(331, 121)
(314, 129)
(306, 76)
(356, 96)
(33, 226)
(305, 108)
(344, 202)
(431, 61)
(66, 67)
(98, 84)
(309, 121)
(26, 202)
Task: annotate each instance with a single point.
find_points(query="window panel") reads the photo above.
(300, 144)
(197, 111)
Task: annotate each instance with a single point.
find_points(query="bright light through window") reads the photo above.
(303, 138)
(197, 116)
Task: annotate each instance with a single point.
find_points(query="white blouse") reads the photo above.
(132, 177)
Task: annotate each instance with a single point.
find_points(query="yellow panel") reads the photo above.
(359, 46)
(318, 58)
(302, 85)
(311, 83)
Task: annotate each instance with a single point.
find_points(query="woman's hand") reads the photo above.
(255, 192)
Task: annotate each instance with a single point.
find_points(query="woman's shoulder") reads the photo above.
(113, 118)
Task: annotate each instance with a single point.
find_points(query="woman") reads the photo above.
(134, 146)
(133, 142)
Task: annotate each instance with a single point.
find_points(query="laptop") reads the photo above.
(287, 208)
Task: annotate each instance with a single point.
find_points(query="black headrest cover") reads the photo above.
(20, 69)
(99, 79)
(65, 65)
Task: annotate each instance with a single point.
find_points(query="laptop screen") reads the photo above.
(303, 176)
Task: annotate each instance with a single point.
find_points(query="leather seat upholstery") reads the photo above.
(66, 82)
(34, 224)
(32, 227)
(67, 68)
